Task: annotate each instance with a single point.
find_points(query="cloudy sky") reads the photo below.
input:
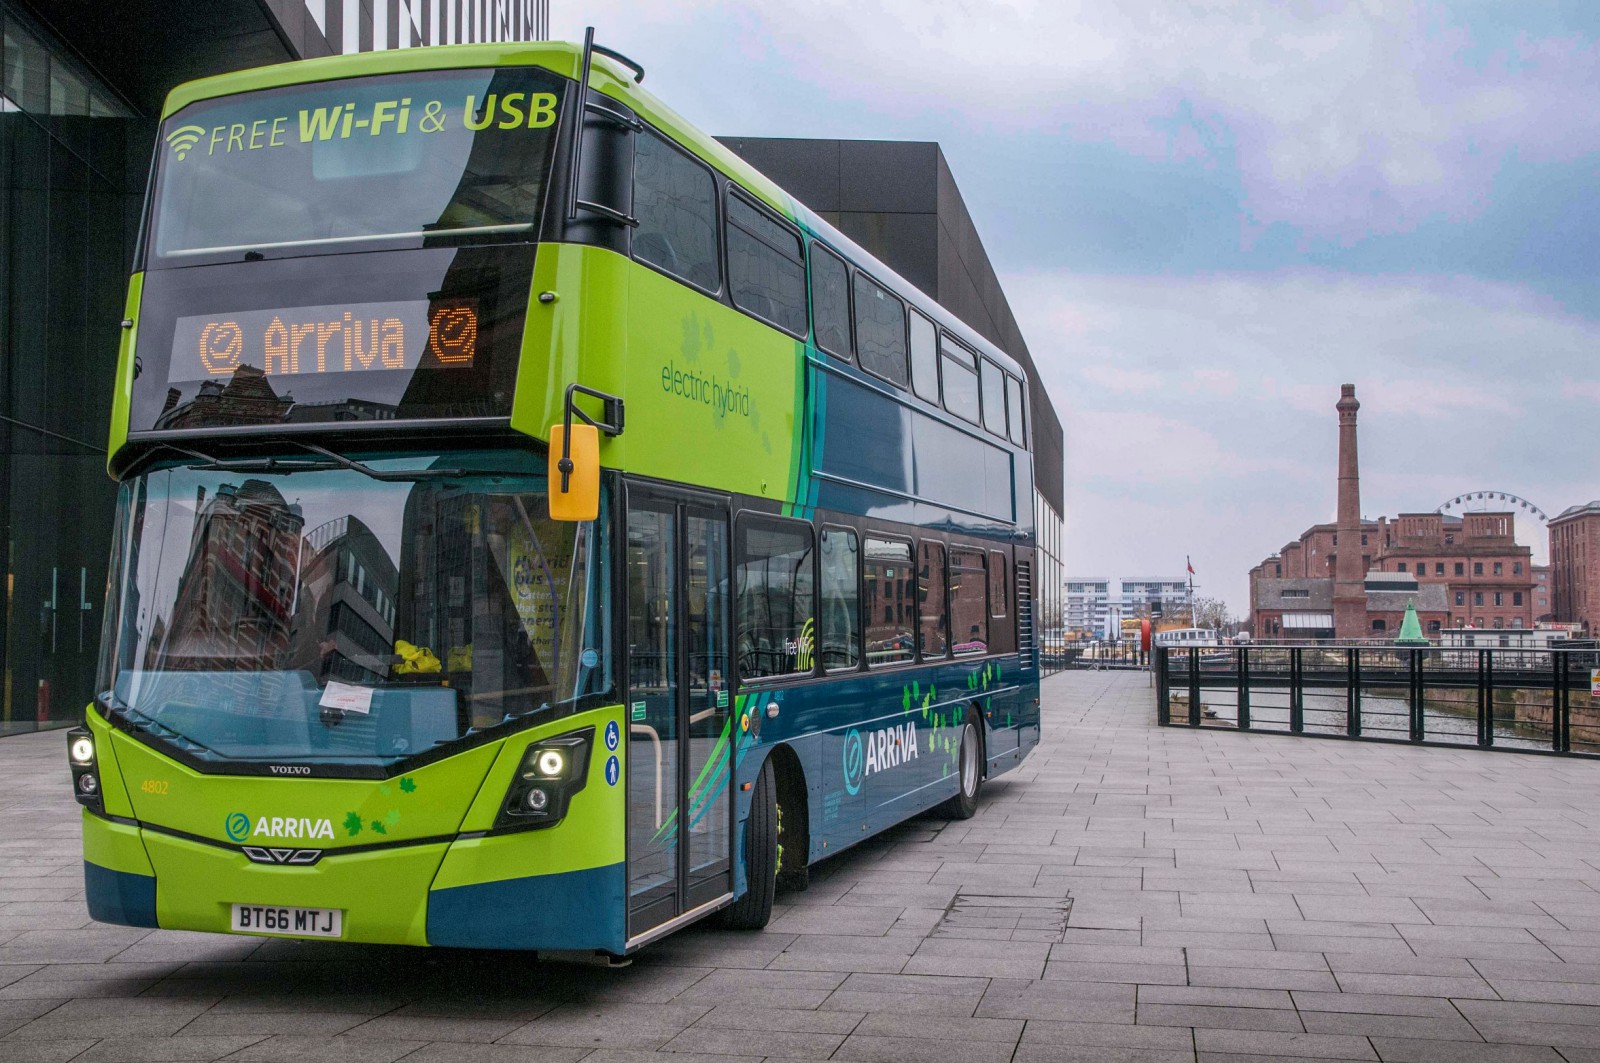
(1208, 215)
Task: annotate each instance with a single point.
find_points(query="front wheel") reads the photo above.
(969, 761)
(753, 910)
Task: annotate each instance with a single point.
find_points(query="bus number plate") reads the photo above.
(296, 922)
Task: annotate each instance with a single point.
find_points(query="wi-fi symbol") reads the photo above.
(185, 137)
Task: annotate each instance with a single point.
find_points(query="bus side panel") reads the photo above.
(576, 894)
(877, 747)
(704, 379)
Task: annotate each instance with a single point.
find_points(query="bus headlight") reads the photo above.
(552, 763)
(550, 772)
(85, 777)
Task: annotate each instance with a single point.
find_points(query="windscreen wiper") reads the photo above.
(206, 461)
(399, 476)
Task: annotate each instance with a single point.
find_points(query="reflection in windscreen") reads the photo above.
(327, 615)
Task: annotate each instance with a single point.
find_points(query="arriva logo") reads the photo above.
(237, 826)
(887, 747)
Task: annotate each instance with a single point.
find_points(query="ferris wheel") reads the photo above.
(1532, 523)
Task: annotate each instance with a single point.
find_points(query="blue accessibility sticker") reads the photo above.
(613, 771)
(612, 736)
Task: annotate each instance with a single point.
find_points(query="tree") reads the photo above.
(1211, 613)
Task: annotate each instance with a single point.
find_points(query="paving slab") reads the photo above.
(1218, 896)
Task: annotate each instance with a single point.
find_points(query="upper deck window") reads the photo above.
(959, 369)
(924, 358)
(1014, 410)
(675, 200)
(355, 164)
(994, 398)
(880, 331)
(765, 267)
(830, 301)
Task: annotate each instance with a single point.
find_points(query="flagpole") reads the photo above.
(1188, 564)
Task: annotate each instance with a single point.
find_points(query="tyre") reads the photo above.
(969, 764)
(753, 910)
(794, 874)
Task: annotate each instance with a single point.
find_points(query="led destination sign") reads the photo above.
(337, 338)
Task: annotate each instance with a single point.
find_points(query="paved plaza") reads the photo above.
(1131, 893)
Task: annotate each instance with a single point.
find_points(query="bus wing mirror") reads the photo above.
(574, 472)
(575, 454)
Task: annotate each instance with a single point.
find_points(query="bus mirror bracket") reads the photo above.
(580, 500)
(575, 201)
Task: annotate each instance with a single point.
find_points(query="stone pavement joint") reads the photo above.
(1130, 893)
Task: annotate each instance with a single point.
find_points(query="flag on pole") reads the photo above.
(1189, 564)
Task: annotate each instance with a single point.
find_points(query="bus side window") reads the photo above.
(969, 607)
(830, 301)
(994, 397)
(888, 591)
(766, 270)
(841, 600)
(998, 592)
(1014, 411)
(958, 369)
(933, 638)
(880, 331)
(675, 200)
(924, 358)
(776, 598)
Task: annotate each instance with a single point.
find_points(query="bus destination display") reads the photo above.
(336, 338)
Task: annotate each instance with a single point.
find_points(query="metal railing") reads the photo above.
(1518, 699)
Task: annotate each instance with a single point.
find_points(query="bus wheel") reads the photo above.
(753, 910)
(969, 761)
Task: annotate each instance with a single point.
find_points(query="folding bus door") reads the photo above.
(679, 709)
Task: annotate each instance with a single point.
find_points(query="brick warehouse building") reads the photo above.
(1574, 575)
(1461, 572)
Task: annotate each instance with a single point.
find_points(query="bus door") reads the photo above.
(679, 706)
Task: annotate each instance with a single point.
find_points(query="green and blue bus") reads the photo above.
(536, 529)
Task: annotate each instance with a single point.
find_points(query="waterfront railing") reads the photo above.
(1530, 700)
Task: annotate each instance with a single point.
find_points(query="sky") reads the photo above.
(1207, 216)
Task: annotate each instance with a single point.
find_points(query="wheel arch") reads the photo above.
(975, 714)
(795, 796)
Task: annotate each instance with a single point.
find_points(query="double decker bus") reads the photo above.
(536, 530)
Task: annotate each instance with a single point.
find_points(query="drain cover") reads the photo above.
(1043, 918)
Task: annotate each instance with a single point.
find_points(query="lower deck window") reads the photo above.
(889, 591)
(969, 605)
(776, 599)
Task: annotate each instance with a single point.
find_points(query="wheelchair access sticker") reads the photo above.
(613, 736)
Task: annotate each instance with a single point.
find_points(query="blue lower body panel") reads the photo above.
(119, 896)
(577, 910)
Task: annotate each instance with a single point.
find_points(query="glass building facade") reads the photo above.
(72, 164)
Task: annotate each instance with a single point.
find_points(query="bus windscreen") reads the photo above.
(355, 164)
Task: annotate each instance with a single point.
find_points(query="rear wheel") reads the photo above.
(753, 910)
(969, 762)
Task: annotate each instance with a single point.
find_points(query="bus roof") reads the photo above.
(613, 79)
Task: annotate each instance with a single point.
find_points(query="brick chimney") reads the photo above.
(1350, 575)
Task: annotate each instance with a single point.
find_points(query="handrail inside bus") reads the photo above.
(469, 230)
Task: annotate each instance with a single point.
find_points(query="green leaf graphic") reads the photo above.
(378, 827)
(352, 823)
(393, 817)
(408, 785)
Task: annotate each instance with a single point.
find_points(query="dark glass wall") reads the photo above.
(72, 164)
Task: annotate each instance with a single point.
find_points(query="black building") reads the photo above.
(81, 88)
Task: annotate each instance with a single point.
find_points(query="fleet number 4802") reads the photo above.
(154, 786)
